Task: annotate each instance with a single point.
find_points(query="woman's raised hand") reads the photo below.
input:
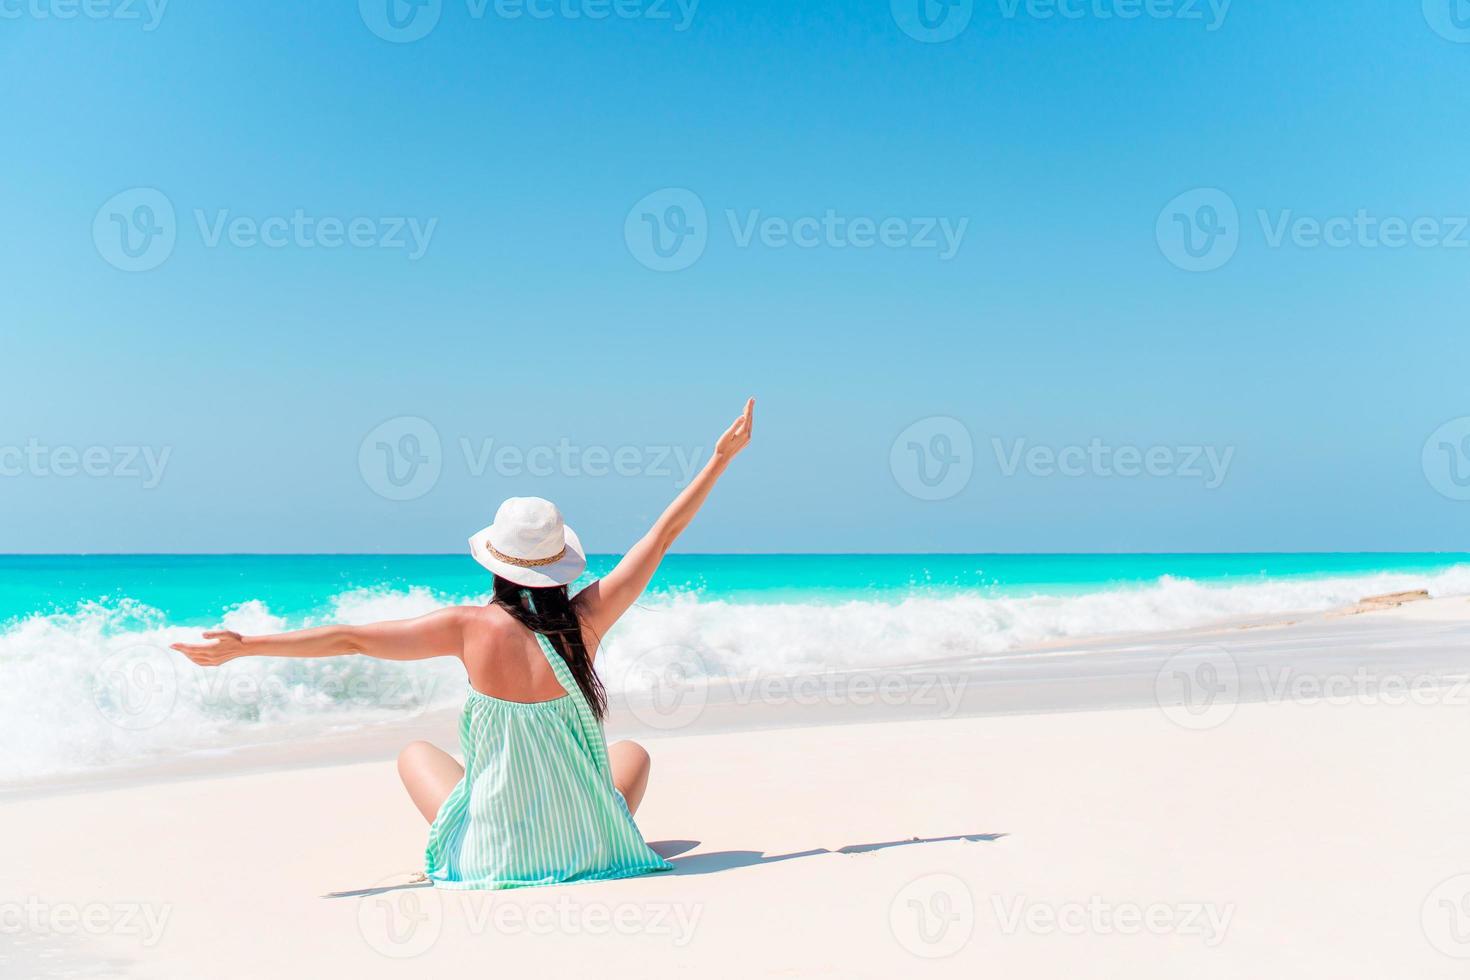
(227, 646)
(737, 437)
(604, 601)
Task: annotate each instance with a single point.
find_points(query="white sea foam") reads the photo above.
(97, 687)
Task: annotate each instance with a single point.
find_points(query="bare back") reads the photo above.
(504, 660)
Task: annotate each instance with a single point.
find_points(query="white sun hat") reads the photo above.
(530, 544)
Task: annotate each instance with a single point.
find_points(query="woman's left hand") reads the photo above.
(737, 437)
(227, 646)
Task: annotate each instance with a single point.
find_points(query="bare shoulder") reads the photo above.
(486, 617)
(484, 629)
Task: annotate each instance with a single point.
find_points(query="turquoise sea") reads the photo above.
(197, 589)
(87, 681)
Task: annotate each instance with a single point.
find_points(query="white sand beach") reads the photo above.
(1060, 812)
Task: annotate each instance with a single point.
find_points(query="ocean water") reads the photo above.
(87, 682)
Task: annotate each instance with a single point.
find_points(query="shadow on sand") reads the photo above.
(703, 864)
(410, 882)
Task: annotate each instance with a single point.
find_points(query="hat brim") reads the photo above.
(564, 571)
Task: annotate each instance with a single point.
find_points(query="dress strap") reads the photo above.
(559, 666)
(591, 728)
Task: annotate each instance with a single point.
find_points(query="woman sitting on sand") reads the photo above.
(541, 797)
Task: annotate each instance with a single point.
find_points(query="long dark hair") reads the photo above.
(549, 611)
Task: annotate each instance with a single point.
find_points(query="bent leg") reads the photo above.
(429, 774)
(630, 764)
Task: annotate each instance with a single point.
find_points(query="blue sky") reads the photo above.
(529, 151)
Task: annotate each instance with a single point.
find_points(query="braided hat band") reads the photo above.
(524, 562)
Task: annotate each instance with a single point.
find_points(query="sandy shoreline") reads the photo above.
(1066, 675)
(1074, 812)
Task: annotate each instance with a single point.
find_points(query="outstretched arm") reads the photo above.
(604, 601)
(439, 634)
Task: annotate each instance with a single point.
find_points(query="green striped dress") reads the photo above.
(537, 805)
